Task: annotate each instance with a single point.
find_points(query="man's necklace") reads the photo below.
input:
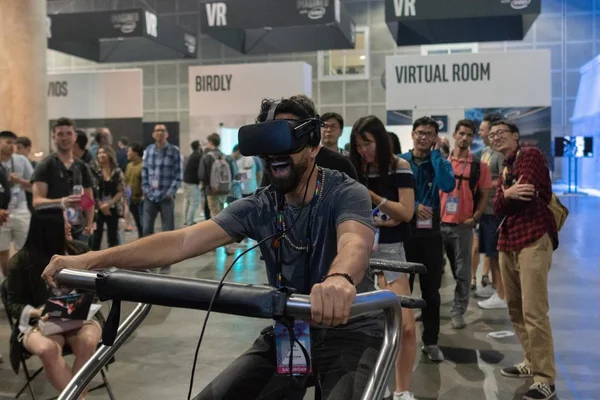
(316, 198)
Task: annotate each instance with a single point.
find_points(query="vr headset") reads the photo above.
(278, 137)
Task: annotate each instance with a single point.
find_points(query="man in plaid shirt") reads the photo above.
(527, 238)
(161, 177)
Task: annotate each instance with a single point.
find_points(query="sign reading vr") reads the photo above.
(405, 8)
(213, 83)
(216, 13)
(436, 73)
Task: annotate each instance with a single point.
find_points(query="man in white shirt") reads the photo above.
(19, 171)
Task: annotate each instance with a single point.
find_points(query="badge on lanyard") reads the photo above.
(291, 351)
(452, 205)
(15, 192)
(424, 223)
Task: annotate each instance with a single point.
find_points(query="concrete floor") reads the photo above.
(156, 363)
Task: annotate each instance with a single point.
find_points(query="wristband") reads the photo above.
(347, 276)
(382, 202)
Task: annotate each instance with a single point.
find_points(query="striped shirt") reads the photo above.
(400, 177)
(161, 172)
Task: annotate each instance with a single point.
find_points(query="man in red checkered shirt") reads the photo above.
(527, 238)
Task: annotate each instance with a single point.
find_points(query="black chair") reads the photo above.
(25, 355)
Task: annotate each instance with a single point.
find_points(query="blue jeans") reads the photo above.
(191, 202)
(166, 208)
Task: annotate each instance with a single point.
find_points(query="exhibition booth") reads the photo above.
(97, 99)
(451, 87)
(223, 98)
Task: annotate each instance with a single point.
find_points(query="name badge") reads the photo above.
(452, 205)
(154, 183)
(424, 223)
(285, 350)
(15, 194)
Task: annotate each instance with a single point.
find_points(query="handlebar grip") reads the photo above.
(397, 266)
(170, 291)
(412, 302)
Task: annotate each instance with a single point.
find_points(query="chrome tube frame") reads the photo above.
(298, 306)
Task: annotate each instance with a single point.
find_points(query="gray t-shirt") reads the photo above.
(341, 199)
(22, 167)
(494, 160)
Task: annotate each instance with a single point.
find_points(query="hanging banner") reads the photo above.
(95, 99)
(469, 80)
(229, 96)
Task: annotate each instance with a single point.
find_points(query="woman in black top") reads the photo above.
(109, 188)
(27, 294)
(391, 186)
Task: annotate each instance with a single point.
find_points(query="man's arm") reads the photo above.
(40, 191)
(331, 300)
(178, 175)
(444, 175)
(153, 251)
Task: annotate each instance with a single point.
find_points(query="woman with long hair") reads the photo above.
(27, 294)
(391, 186)
(109, 188)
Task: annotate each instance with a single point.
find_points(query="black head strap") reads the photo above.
(271, 113)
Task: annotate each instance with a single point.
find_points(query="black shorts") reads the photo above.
(488, 235)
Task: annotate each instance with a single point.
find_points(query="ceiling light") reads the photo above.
(363, 57)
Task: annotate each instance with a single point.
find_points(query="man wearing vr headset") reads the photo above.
(317, 234)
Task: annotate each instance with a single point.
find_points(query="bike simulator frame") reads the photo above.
(256, 301)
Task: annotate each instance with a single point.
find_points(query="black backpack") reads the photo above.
(4, 189)
(473, 179)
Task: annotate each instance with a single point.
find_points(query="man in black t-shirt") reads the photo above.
(328, 159)
(60, 174)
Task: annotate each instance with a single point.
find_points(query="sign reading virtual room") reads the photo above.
(468, 80)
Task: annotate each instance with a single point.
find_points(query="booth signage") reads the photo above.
(95, 95)
(468, 80)
(240, 88)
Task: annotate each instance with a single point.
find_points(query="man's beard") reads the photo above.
(289, 182)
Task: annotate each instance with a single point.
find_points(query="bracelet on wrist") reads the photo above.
(382, 202)
(347, 276)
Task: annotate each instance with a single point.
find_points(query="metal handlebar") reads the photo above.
(297, 306)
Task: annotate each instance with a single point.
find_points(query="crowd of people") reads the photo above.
(439, 200)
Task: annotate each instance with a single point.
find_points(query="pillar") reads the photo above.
(23, 42)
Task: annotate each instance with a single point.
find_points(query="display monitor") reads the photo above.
(574, 146)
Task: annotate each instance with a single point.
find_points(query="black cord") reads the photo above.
(221, 282)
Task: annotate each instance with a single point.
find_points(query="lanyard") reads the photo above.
(280, 227)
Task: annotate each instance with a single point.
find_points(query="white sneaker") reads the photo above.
(404, 396)
(388, 394)
(493, 303)
(485, 292)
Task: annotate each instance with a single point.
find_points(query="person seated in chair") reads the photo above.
(27, 293)
(318, 234)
